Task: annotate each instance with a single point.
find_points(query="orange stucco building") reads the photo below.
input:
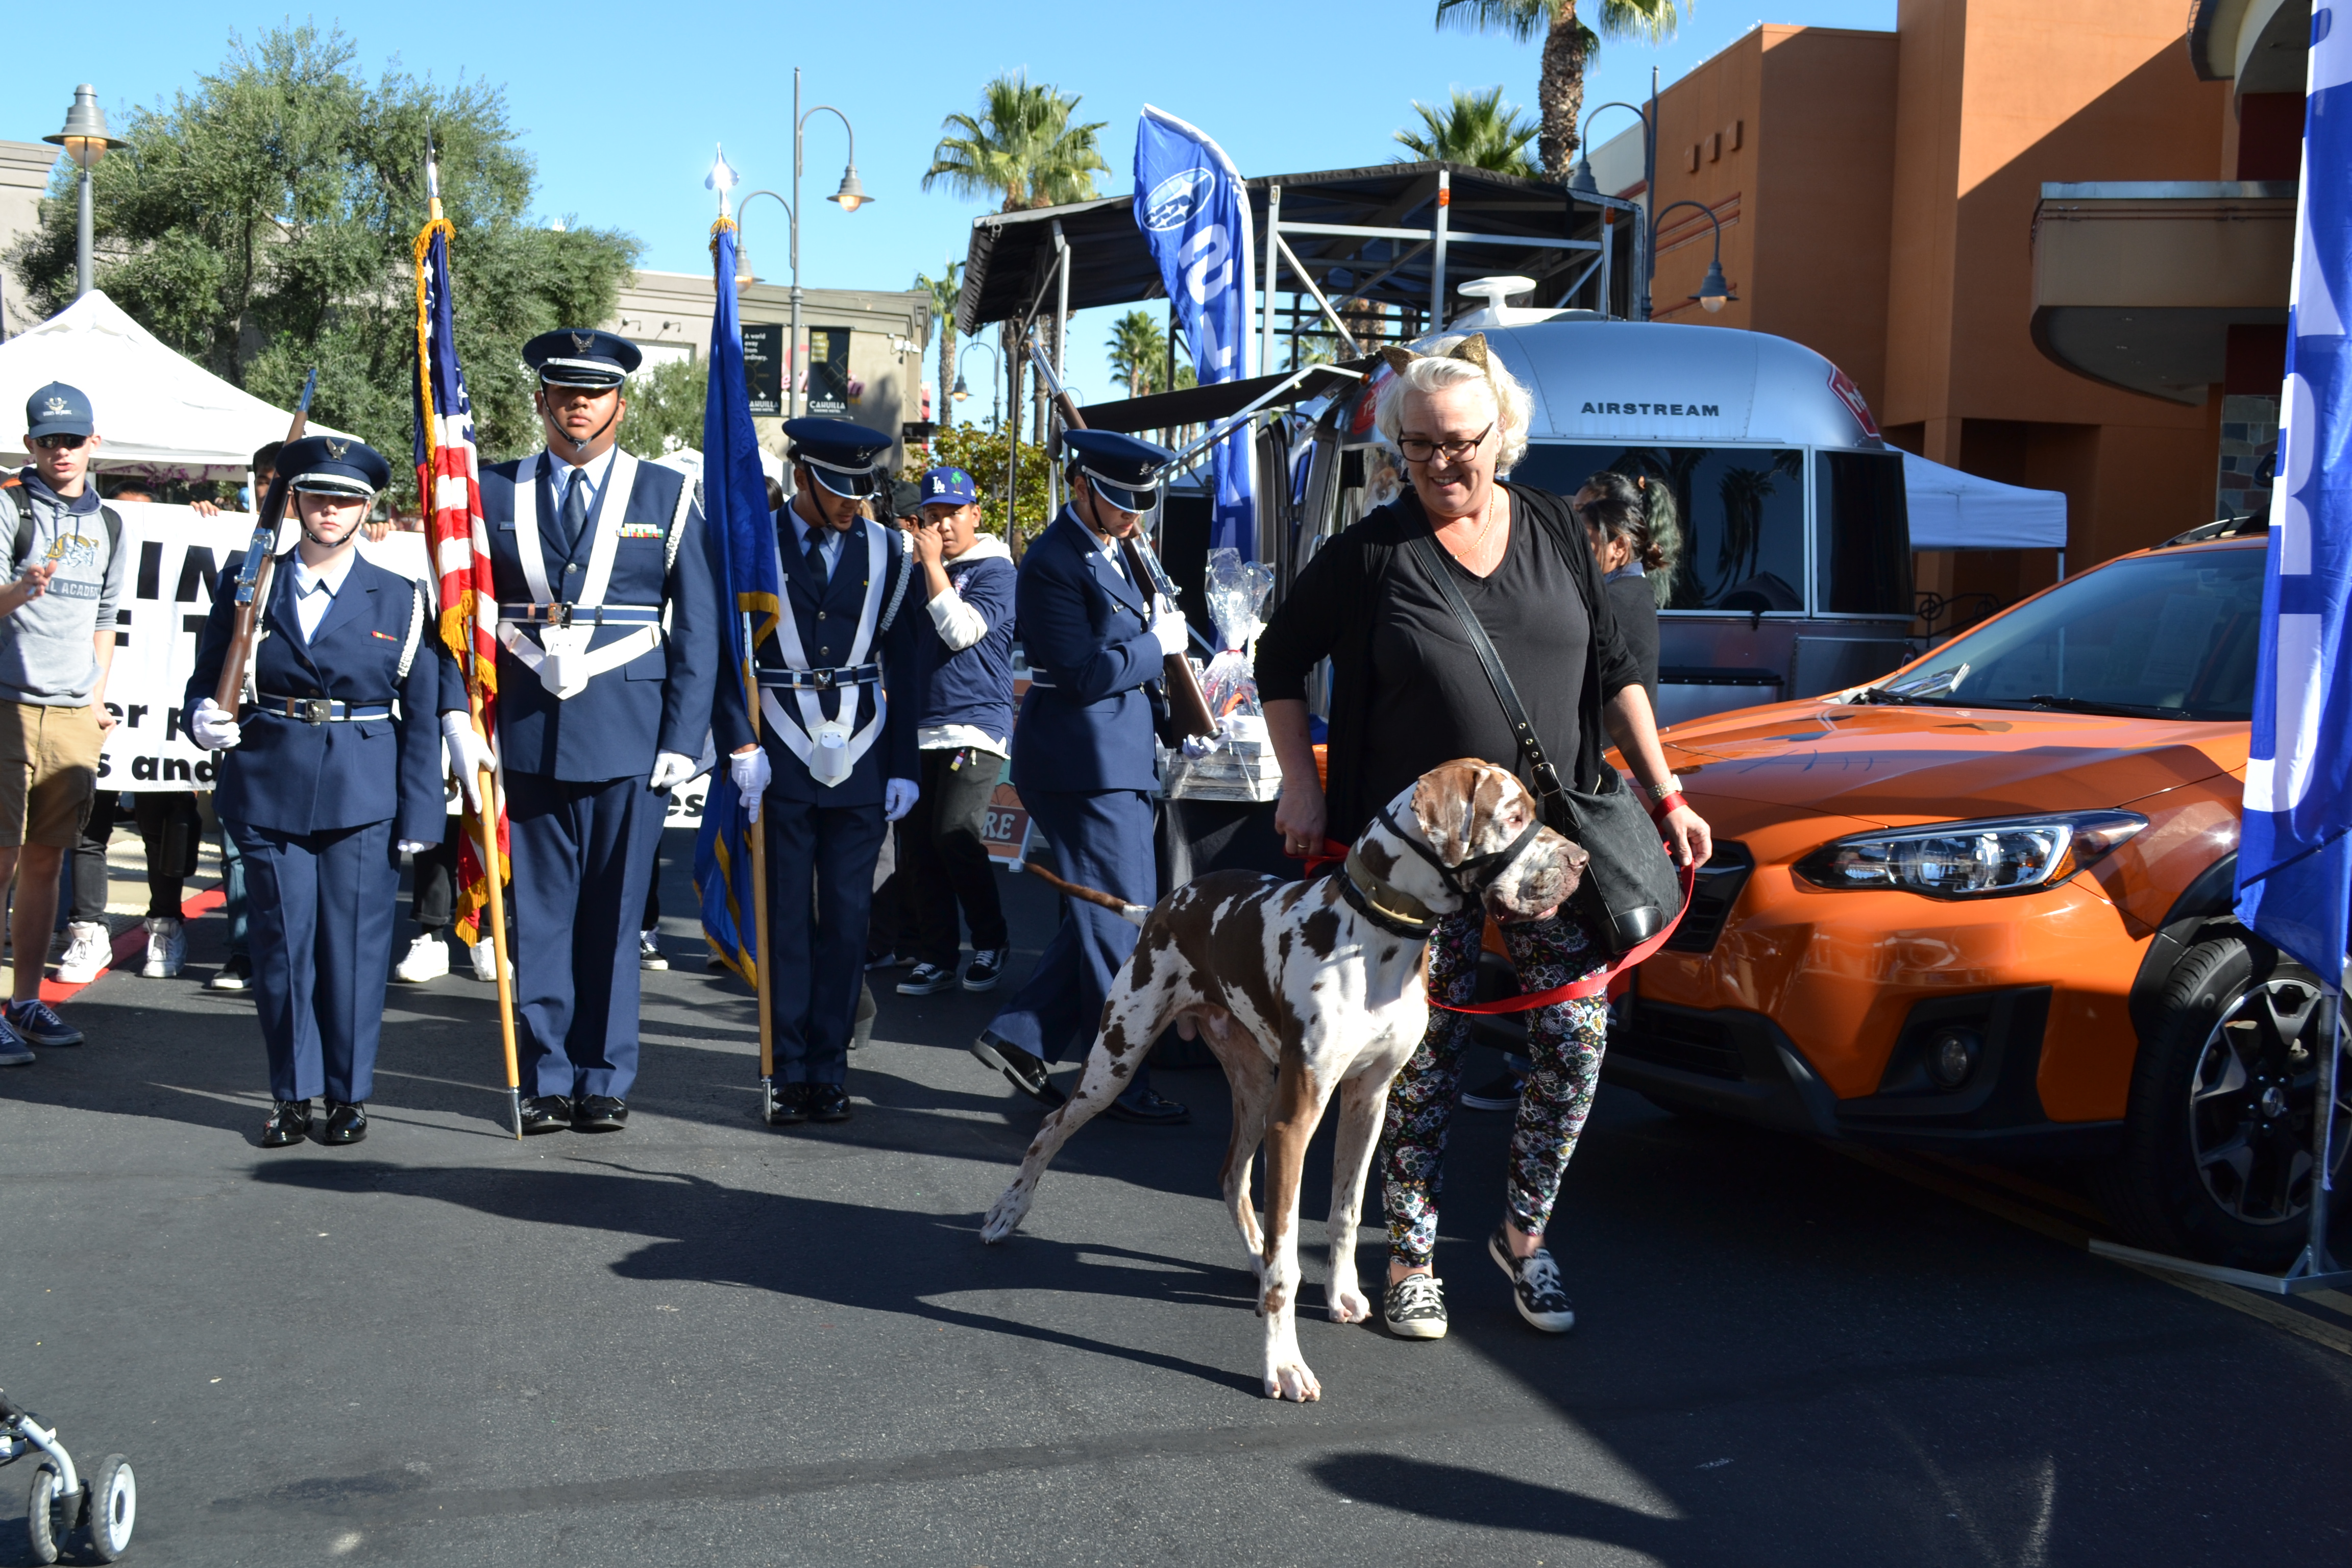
(1882, 197)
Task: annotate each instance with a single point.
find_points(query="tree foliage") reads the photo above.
(1022, 148)
(981, 453)
(262, 223)
(666, 407)
(945, 290)
(1138, 347)
(1477, 129)
(1567, 47)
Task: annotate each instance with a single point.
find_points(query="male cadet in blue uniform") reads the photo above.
(330, 770)
(609, 643)
(838, 758)
(1083, 757)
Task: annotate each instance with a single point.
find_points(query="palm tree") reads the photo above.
(1022, 148)
(1139, 351)
(1567, 41)
(945, 290)
(1477, 129)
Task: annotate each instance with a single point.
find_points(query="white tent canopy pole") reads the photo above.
(1953, 510)
(158, 414)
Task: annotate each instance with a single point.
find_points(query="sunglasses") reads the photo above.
(60, 443)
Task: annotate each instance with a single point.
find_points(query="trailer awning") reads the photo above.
(1953, 510)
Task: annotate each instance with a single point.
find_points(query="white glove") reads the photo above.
(468, 754)
(1168, 625)
(671, 769)
(749, 771)
(898, 797)
(415, 846)
(214, 728)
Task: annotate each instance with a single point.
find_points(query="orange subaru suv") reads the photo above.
(1983, 906)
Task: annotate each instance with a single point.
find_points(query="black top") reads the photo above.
(1407, 691)
(1637, 623)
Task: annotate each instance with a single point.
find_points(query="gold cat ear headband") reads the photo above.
(1472, 349)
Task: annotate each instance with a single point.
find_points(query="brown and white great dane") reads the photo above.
(1323, 979)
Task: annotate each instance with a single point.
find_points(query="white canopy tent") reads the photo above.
(158, 414)
(1953, 510)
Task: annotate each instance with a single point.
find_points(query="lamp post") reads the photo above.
(1584, 184)
(85, 140)
(996, 388)
(1713, 293)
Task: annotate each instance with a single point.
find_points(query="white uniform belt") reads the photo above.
(820, 679)
(561, 614)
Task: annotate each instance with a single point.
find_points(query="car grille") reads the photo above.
(1679, 1040)
(1719, 887)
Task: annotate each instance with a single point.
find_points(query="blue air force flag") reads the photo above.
(2294, 865)
(1193, 209)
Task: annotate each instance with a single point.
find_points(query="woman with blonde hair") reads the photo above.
(1408, 692)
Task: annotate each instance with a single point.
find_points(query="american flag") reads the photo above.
(449, 487)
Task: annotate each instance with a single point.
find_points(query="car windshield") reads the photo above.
(2171, 635)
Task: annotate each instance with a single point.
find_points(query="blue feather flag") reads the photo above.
(735, 508)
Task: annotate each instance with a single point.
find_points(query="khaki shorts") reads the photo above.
(48, 772)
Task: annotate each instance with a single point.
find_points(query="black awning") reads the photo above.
(1207, 405)
(1012, 254)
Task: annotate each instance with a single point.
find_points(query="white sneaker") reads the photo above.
(486, 963)
(427, 958)
(649, 952)
(167, 947)
(89, 950)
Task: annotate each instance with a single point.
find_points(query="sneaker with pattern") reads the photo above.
(1535, 1285)
(1415, 1308)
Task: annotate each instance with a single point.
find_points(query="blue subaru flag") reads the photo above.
(1191, 207)
(2294, 862)
(735, 507)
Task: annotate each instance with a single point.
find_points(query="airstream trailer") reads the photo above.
(1795, 576)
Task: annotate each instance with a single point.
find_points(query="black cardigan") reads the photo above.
(1328, 614)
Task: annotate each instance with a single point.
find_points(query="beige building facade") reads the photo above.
(24, 179)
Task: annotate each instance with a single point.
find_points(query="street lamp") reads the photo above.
(1713, 293)
(851, 196)
(964, 391)
(85, 140)
(1584, 184)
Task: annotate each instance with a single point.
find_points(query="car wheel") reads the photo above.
(2217, 1160)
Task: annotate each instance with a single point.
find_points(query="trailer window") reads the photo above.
(1742, 511)
(1862, 544)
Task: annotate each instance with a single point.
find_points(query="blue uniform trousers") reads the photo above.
(319, 912)
(1103, 840)
(821, 892)
(584, 855)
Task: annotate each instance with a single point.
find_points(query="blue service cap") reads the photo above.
(336, 465)
(842, 457)
(949, 487)
(578, 356)
(58, 409)
(1124, 471)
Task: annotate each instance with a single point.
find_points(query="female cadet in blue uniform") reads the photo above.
(332, 767)
(1083, 757)
(838, 693)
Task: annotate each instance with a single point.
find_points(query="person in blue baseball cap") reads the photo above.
(330, 772)
(964, 691)
(829, 761)
(1083, 757)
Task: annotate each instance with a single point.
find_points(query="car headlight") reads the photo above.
(1972, 859)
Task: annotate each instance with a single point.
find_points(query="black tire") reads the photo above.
(112, 1509)
(2222, 1099)
(47, 1518)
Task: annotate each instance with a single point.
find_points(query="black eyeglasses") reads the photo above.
(1417, 450)
(59, 442)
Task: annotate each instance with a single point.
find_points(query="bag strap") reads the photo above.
(1515, 712)
(24, 521)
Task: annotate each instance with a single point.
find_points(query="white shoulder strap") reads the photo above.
(415, 629)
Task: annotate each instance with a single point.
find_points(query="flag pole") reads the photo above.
(761, 977)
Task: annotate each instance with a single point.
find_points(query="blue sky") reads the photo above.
(621, 105)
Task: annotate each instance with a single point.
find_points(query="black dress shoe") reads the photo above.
(546, 1113)
(827, 1102)
(598, 1114)
(1148, 1107)
(792, 1106)
(345, 1123)
(290, 1122)
(1022, 1067)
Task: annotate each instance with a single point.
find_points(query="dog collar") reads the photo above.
(1392, 910)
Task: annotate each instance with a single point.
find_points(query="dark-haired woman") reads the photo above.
(1635, 540)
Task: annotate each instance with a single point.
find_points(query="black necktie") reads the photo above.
(816, 554)
(575, 515)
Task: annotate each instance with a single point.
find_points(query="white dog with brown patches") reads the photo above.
(1325, 980)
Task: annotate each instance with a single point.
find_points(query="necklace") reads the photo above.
(1476, 548)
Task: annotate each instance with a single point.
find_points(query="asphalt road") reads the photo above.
(702, 1340)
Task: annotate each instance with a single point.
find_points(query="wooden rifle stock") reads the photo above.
(253, 573)
(1188, 705)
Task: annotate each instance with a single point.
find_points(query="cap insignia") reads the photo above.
(58, 406)
(336, 449)
(583, 342)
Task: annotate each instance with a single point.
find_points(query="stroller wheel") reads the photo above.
(47, 1518)
(110, 1509)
